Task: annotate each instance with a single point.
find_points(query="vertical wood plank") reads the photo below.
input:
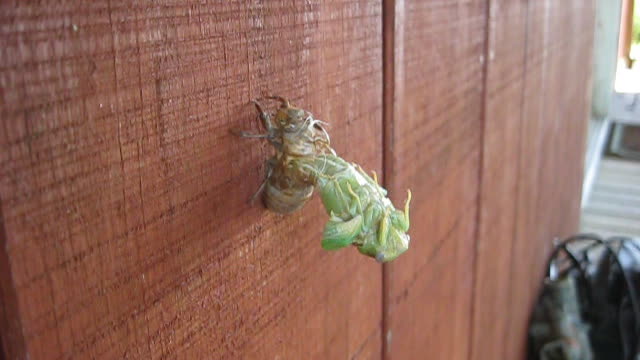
(127, 232)
(503, 103)
(531, 243)
(556, 113)
(544, 148)
(433, 146)
(13, 346)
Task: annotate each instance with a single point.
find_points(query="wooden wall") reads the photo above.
(536, 111)
(125, 229)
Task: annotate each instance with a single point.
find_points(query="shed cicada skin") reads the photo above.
(294, 133)
(360, 213)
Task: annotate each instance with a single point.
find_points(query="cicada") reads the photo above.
(360, 213)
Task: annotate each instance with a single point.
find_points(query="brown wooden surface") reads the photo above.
(537, 104)
(434, 148)
(503, 102)
(626, 32)
(125, 231)
(128, 233)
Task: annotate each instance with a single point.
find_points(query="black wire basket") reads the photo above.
(589, 306)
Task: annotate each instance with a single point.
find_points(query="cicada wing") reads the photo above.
(339, 233)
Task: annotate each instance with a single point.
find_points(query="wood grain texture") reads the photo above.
(531, 178)
(559, 52)
(126, 228)
(503, 100)
(434, 148)
(125, 231)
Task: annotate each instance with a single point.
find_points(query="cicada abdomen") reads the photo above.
(284, 193)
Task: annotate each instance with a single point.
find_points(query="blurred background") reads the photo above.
(611, 188)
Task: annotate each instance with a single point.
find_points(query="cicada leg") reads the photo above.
(283, 102)
(264, 116)
(266, 121)
(383, 228)
(356, 198)
(244, 134)
(406, 211)
(375, 176)
(270, 164)
(401, 219)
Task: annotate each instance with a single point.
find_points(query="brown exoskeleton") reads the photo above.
(293, 132)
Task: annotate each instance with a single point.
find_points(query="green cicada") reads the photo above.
(360, 213)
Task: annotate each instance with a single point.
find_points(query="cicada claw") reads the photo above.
(283, 102)
(244, 134)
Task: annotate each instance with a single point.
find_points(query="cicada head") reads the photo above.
(396, 244)
(393, 245)
(289, 118)
(301, 134)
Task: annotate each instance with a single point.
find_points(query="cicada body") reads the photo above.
(359, 210)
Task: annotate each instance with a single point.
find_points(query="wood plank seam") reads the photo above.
(388, 95)
(13, 343)
(521, 151)
(476, 232)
